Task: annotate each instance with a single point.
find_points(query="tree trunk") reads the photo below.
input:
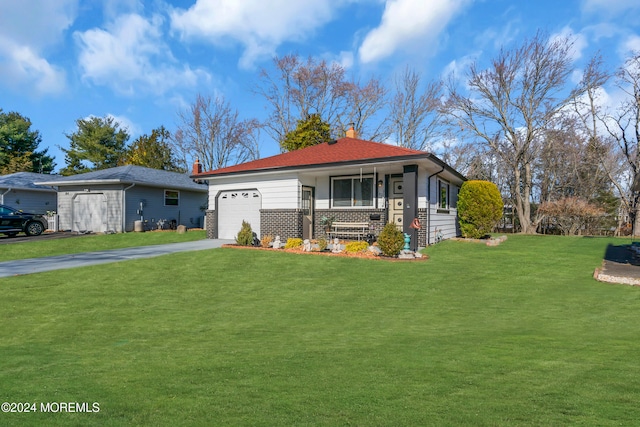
(634, 213)
(523, 199)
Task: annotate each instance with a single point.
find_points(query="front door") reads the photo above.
(396, 202)
(307, 212)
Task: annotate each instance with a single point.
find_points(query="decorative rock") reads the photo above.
(181, 229)
(418, 255)
(375, 250)
(406, 254)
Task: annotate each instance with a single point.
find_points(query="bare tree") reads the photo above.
(511, 104)
(363, 103)
(415, 111)
(623, 125)
(211, 131)
(295, 89)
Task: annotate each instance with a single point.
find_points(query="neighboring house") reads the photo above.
(114, 199)
(348, 180)
(18, 191)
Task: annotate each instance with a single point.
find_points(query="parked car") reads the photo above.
(13, 221)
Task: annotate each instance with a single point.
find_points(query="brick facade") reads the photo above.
(422, 233)
(285, 223)
(350, 215)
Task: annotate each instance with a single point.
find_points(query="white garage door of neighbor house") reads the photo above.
(90, 213)
(235, 207)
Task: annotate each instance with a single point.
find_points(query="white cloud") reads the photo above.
(259, 25)
(630, 45)
(24, 68)
(131, 56)
(126, 124)
(609, 7)
(457, 69)
(579, 41)
(406, 23)
(23, 65)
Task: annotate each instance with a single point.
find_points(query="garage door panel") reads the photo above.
(235, 207)
(89, 213)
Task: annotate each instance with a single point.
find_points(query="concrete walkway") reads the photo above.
(59, 262)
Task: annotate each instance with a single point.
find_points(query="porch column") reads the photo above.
(410, 186)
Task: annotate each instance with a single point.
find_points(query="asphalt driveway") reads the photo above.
(6, 240)
(38, 265)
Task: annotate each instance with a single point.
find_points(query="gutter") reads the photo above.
(124, 207)
(429, 203)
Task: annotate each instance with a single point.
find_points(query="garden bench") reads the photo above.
(344, 229)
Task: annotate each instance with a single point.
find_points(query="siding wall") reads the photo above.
(30, 201)
(112, 193)
(277, 192)
(187, 212)
(445, 221)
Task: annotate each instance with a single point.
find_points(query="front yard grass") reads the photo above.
(518, 334)
(95, 242)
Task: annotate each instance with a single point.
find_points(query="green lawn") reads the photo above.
(518, 334)
(96, 242)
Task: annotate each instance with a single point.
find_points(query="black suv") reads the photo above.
(13, 221)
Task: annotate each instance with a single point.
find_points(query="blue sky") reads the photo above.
(144, 61)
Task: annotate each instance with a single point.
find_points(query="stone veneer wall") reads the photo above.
(211, 219)
(350, 215)
(286, 223)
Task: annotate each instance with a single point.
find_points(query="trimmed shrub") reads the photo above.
(353, 247)
(245, 235)
(322, 243)
(266, 241)
(479, 208)
(293, 242)
(390, 240)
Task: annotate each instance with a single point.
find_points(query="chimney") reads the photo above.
(351, 133)
(197, 167)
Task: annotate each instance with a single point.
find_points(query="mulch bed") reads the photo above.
(343, 254)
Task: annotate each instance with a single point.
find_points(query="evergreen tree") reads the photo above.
(19, 144)
(311, 131)
(152, 151)
(99, 143)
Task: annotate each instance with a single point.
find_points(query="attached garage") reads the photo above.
(237, 206)
(90, 213)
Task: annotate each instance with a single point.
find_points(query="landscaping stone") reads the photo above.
(181, 229)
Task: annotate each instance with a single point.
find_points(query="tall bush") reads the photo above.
(479, 208)
(390, 240)
(572, 214)
(245, 235)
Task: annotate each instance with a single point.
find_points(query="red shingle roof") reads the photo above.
(343, 150)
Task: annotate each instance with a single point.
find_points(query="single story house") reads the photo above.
(114, 199)
(18, 191)
(347, 180)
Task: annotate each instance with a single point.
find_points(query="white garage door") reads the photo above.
(235, 207)
(90, 213)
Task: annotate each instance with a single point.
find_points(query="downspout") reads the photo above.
(124, 207)
(429, 204)
(3, 194)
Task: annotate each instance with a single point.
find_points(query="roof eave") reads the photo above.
(121, 181)
(377, 160)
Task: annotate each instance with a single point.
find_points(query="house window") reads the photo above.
(171, 198)
(352, 191)
(443, 196)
